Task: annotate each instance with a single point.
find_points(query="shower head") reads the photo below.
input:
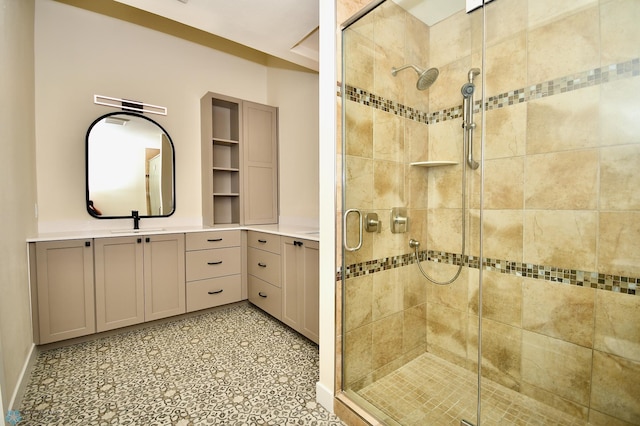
(425, 77)
(467, 89)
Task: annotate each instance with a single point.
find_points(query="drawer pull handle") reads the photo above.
(262, 265)
(215, 292)
(214, 263)
(262, 241)
(261, 294)
(214, 240)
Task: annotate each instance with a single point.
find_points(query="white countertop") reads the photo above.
(284, 230)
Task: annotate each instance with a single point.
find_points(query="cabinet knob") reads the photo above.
(215, 292)
(214, 240)
(139, 240)
(215, 263)
(147, 239)
(297, 243)
(261, 294)
(87, 243)
(262, 265)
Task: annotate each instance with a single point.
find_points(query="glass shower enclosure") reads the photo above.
(491, 213)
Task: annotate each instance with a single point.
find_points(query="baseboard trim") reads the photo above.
(324, 396)
(23, 378)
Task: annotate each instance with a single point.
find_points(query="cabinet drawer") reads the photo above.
(212, 239)
(265, 296)
(213, 292)
(264, 241)
(202, 264)
(264, 265)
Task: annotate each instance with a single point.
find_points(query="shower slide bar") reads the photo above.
(467, 116)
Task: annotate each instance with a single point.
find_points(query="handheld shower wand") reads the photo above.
(467, 121)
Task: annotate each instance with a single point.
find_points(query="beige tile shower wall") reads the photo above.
(560, 189)
(386, 311)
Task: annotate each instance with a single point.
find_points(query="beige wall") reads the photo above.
(298, 174)
(95, 54)
(18, 193)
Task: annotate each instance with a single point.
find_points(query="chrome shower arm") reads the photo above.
(395, 70)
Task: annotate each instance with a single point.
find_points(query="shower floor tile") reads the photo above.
(431, 391)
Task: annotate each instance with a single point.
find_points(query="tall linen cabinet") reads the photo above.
(239, 161)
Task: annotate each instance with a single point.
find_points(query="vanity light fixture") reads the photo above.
(129, 105)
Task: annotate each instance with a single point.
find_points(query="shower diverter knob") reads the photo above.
(399, 220)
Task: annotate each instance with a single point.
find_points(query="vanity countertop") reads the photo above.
(293, 231)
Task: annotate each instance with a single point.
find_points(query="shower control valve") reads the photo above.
(399, 220)
(371, 222)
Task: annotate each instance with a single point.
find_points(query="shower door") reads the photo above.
(530, 313)
(409, 347)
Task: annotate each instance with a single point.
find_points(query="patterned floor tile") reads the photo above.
(233, 366)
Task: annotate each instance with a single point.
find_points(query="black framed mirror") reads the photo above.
(130, 166)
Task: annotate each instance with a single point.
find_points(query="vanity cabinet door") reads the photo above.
(164, 276)
(119, 282)
(64, 290)
(260, 133)
(300, 286)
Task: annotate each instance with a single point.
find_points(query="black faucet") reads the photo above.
(136, 219)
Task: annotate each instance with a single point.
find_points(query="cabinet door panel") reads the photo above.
(164, 276)
(300, 286)
(292, 308)
(311, 276)
(119, 282)
(260, 204)
(65, 289)
(260, 133)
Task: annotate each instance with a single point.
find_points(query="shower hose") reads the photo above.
(415, 244)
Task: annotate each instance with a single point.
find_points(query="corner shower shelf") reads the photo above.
(434, 163)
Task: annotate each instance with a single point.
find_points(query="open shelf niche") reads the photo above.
(222, 135)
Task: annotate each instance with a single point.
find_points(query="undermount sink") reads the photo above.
(136, 231)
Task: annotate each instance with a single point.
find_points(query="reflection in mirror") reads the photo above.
(130, 167)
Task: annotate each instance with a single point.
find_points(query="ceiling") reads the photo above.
(286, 29)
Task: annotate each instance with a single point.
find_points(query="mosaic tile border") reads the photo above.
(568, 83)
(556, 86)
(590, 279)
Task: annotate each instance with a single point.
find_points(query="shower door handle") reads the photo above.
(344, 230)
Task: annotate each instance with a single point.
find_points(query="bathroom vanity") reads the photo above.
(91, 282)
(106, 280)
